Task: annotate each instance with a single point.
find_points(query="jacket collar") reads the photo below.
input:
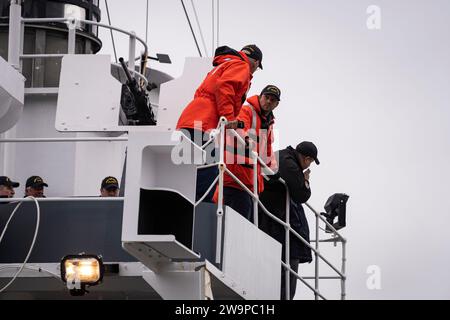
(245, 58)
(294, 153)
(226, 53)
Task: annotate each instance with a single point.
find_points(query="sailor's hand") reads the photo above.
(306, 174)
(232, 124)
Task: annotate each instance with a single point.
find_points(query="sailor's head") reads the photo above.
(307, 152)
(269, 98)
(254, 55)
(7, 187)
(109, 187)
(34, 187)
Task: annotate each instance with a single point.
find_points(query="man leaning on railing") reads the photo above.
(221, 94)
(258, 121)
(293, 168)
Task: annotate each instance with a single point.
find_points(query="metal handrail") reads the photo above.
(207, 192)
(283, 223)
(16, 53)
(80, 139)
(289, 229)
(223, 169)
(254, 196)
(60, 199)
(316, 292)
(329, 225)
(267, 168)
(72, 38)
(73, 20)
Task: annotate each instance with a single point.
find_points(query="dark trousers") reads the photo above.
(240, 201)
(206, 176)
(292, 280)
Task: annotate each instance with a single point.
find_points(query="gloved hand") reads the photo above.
(232, 124)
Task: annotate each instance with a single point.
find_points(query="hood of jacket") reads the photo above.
(225, 53)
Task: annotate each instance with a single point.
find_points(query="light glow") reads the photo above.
(85, 270)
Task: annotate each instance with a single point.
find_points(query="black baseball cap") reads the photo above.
(5, 181)
(272, 90)
(35, 182)
(308, 149)
(252, 51)
(110, 183)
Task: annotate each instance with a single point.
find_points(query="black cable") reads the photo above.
(192, 30)
(110, 30)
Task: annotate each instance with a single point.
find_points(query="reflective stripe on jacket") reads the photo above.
(258, 130)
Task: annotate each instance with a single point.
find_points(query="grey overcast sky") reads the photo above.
(375, 102)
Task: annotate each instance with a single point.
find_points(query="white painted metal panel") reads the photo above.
(54, 162)
(158, 248)
(176, 285)
(12, 86)
(94, 161)
(89, 96)
(251, 258)
(176, 94)
(149, 166)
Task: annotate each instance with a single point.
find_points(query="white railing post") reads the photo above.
(14, 37)
(22, 39)
(288, 245)
(132, 52)
(72, 27)
(344, 260)
(316, 254)
(222, 168)
(255, 187)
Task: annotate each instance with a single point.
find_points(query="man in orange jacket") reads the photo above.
(258, 121)
(221, 93)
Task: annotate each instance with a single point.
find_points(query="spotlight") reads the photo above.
(336, 207)
(80, 271)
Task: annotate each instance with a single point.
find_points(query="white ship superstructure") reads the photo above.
(61, 117)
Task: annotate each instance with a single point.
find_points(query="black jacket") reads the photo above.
(274, 199)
